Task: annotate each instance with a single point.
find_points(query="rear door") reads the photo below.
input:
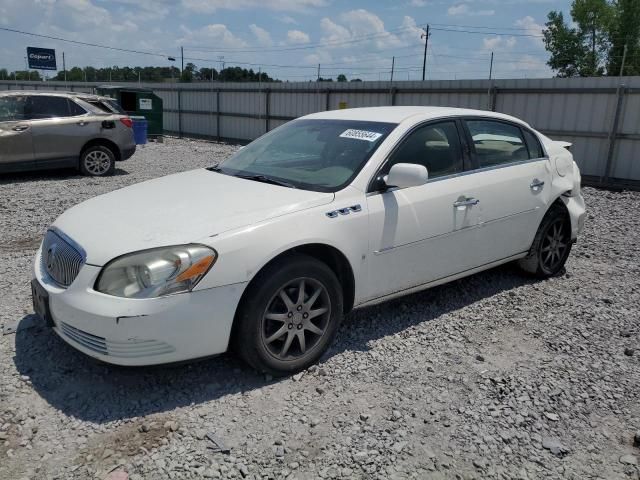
(511, 178)
(60, 128)
(15, 132)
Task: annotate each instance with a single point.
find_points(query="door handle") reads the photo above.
(466, 202)
(20, 128)
(82, 123)
(536, 184)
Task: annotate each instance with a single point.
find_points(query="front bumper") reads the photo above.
(152, 331)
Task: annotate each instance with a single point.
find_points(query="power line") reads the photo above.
(50, 37)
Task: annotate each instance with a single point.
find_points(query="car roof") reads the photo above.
(58, 93)
(401, 114)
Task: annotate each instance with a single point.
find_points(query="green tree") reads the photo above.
(563, 42)
(625, 30)
(593, 18)
(341, 78)
(596, 45)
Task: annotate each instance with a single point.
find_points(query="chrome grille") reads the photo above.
(61, 259)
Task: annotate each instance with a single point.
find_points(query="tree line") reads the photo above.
(191, 73)
(601, 36)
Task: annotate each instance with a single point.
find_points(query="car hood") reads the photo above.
(177, 209)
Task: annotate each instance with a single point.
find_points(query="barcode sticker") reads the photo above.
(361, 135)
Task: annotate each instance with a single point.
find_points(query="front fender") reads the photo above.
(242, 253)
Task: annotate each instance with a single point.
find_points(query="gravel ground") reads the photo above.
(493, 376)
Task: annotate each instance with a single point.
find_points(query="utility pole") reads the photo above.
(318, 73)
(64, 68)
(491, 67)
(426, 36)
(393, 63)
(624, 58)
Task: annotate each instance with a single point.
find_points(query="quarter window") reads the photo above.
(436, 146)
(42, 106)
(76, 109)
(533, 144)
(497, 143)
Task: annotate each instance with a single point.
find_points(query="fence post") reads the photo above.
(493, 94)
(326, 100)
(218, 114)
(392, 93)
(179, 113)
(613, 133)
(267, 110)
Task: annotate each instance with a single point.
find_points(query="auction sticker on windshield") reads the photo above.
(361, 135)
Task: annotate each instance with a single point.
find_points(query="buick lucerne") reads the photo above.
(266, 251)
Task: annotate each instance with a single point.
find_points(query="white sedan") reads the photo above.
(268, 250)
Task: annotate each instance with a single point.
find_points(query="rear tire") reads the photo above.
(551, 245)
(97, 161)
(289, 316)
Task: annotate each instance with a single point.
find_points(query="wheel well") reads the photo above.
(104, 143)
(558, 203)
(330, 256)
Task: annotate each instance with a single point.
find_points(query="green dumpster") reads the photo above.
(138, 102)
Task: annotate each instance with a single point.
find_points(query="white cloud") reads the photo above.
(210, 6)
(418, 3)
(530, 25)
(464, 9)
(358, 23)
(287, 20)
(215, 34)
(498, 43)
(263, 37)
(297, 37)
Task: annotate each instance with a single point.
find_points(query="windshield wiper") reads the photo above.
(214, 168)
(265, 179)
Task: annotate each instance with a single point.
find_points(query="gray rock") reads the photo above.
(629, 459)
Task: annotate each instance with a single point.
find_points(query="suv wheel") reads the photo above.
(97, 161)
(551, 245)
(290, 316)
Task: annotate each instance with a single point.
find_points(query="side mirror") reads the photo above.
(404, 175)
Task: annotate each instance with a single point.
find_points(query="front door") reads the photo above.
(421, 234)
(15, 132)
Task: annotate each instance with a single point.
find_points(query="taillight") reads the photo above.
(127, 122)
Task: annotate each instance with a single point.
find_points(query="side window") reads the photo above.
(12, 108)
(436, 146)
(497, 143)
(41, 106)
(533, 144)
(75, 109)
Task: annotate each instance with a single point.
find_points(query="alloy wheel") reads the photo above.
(97, 162)
(555, 243)
(296, 319)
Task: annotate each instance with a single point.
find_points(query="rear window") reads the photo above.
(43, 106)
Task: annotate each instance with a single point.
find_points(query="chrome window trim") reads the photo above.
(467, 172)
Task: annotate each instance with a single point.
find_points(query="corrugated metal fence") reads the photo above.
(600, 116)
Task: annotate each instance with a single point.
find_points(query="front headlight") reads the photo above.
(156, 272)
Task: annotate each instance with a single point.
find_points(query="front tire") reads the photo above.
(551, 245)
(97, 161)
(289, 316)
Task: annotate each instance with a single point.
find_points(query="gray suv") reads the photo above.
(41, 130)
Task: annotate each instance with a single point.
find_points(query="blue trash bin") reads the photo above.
(140, 126)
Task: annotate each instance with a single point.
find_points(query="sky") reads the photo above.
(289, 38)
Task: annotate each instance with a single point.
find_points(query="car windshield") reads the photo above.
(321, 155)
